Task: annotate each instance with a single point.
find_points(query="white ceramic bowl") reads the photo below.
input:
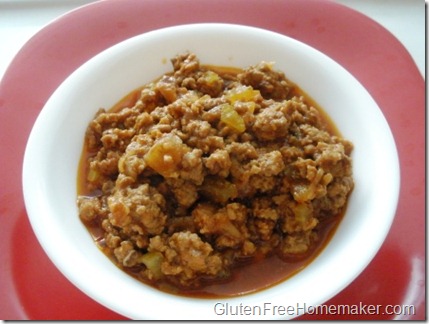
(55, 144)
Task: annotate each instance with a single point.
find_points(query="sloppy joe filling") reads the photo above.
(207, 170)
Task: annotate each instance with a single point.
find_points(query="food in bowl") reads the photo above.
(54, 149)
(209, 169)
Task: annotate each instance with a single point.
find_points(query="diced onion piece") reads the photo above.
(152, 261)
(211, 77)
(304, 192)
(244, 93)
(219, 190)
(232, 118)
(166, 155)
(93, 175)
(166, 86)
(228, 228)
(302, 213)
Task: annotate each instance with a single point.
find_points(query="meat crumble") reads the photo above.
(206, 167)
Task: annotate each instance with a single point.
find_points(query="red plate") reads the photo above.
(32, 288)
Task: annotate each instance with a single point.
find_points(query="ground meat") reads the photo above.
(205, 167)
(226, 226)
(185, 257)
(271, 83)
(89, 208)
(218, 163)
(272, 122)
(142, 206)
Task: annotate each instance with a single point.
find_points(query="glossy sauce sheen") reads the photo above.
(250, 275)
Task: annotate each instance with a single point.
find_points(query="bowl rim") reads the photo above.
(33, 185)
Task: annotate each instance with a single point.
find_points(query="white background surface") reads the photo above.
(21, 19)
